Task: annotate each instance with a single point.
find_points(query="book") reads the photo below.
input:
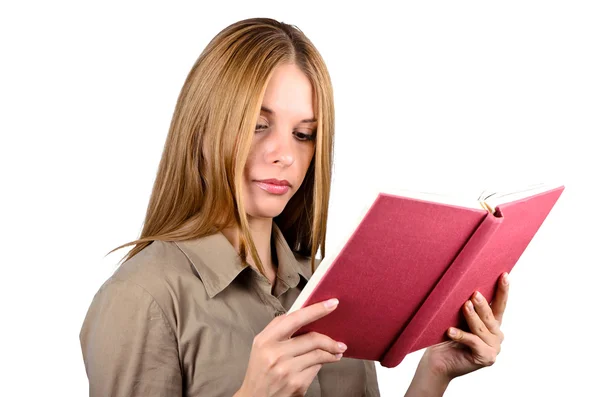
(413, 259)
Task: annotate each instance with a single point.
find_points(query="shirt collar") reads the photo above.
(218, 263)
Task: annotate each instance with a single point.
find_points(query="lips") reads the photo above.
(276, 182)
(274, 186)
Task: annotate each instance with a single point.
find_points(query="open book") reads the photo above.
(412, 260)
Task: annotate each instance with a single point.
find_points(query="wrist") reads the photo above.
(427, 383)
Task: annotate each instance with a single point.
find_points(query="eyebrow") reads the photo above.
(266, 109)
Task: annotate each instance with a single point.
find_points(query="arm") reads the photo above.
(424, 383)
(465, 352)
(372, 389)
(128, 347)
(427, 384)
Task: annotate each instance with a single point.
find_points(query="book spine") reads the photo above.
(406, 341)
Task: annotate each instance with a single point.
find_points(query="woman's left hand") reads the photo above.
(468, 352)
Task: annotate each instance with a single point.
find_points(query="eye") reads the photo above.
(260, 127)
(305, 137)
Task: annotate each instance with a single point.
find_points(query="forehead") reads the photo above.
(289, 93)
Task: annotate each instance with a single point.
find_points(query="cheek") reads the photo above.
(307, 158)
(247, 177)
(251, 160)
(250, 163)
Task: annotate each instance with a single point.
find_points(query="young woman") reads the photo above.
(237, 213)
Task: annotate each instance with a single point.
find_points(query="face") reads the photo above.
(283, 144)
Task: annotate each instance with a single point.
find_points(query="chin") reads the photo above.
(263, 214)
(264, 210)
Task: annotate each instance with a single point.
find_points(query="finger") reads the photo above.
(292, 322)
(482, 353)
(500, 299)
(476, 324)
(307, 376)
(310, 341)
(314, 357)
(485, 313)
(466, 338)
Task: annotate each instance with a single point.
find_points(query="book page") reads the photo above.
(488, 199)
(505, 196)
(457, 200)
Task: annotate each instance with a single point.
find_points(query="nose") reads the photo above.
(280, 148)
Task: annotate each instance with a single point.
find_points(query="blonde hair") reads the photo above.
(198, 186)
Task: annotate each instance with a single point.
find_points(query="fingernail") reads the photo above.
(452, 332)
(342, 346)
(331, 303)
(339, 355)
(469, 305)
(478, 296)
(505, 278)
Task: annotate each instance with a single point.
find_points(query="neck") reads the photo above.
(260, 230)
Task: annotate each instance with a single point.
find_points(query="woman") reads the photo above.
(237, 212)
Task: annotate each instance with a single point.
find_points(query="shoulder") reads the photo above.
(149, 279)
(122, 304)
(153, 265)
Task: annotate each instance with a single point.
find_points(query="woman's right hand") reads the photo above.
(284, 366)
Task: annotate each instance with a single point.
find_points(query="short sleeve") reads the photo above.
(128, 347)
(372, 389)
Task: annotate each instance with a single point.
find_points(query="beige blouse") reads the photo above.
(179, 319)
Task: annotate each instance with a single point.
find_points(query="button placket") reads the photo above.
(270, 300)
(276, 304)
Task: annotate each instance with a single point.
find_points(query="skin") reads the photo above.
(466, 351)
(279, 150)
(284, 366)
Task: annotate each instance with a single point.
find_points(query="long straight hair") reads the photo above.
(198, 186)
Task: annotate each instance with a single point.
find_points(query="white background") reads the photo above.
(447, 97)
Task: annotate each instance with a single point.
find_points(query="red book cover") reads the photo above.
(410, 264)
